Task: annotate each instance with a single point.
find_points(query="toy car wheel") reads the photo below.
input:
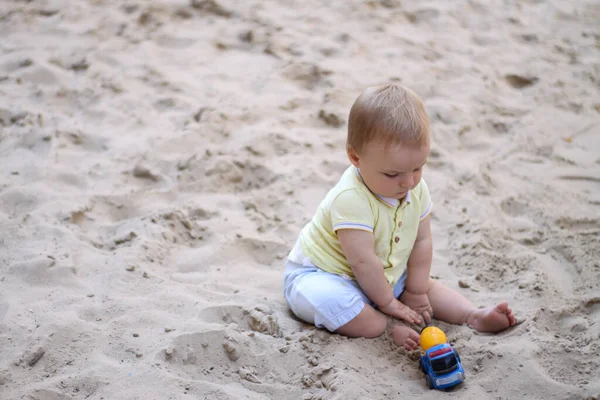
(429, 382)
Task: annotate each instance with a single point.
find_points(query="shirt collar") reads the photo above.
(390, 201)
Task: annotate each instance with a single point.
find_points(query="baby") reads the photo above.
(366, 254)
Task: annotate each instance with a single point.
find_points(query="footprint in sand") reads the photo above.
(202, 264)
(579, 263)
(128, 223)
(513, 207)
(307, 74)
(263, 251)
(41, 75)
(181, 229)
(225, 175)
(257, 320)
(572, 334)
(224, 356)
(19, 201)
(33, 137)
(44, 271)
(273, 144)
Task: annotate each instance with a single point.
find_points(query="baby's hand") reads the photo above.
(401, 311)
(419, 303)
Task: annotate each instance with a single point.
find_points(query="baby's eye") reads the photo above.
(390, 175)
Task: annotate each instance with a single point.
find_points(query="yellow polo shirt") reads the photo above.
(351, 205)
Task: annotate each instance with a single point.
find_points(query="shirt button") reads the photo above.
(399, 224)
(397, 239)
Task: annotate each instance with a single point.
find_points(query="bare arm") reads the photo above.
(417, 279)
(359, 249)
(419, 263)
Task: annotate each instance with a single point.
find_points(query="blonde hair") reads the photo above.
(392, 114)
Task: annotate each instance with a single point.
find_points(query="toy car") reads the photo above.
(442, 367)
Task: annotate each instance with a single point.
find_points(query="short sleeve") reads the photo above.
(424, 200)
(351, 209)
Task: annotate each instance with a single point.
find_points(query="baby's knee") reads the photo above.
(368, 324)
(376, 329)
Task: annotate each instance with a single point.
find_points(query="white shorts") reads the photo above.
(325, 299)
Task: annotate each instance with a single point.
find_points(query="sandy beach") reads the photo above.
(160, 158)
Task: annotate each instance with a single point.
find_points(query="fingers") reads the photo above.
(402, 311)
(409, 315)
(416, 318)
(427, 316)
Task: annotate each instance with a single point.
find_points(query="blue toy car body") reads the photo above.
(442, 367)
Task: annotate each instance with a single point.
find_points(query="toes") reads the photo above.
(410, 344)
(414, 336)
(503, 307)
(512, 321)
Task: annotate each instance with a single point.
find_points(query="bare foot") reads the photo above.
(492, 319)
(405, 337)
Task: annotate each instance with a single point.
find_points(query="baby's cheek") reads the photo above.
(418, 177)
(385, 183)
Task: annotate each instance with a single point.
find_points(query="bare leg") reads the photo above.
(369, 323)
(452, 307)
(405, 336)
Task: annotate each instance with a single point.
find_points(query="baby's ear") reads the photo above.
(352, 156)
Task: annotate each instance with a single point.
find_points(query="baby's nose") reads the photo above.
(406, 181)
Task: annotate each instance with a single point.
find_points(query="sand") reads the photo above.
(159, 159)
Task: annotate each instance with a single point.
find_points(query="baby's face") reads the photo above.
(390, 171)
